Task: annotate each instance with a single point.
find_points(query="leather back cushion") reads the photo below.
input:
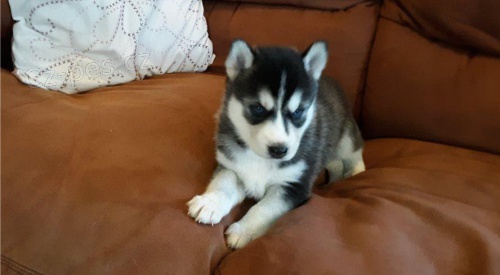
(349, 34)
(445, 90)
(470, 24)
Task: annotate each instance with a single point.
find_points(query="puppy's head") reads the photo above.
(271, 95)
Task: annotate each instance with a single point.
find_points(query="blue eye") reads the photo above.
(257, 110)
(297, 113)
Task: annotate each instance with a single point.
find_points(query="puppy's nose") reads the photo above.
(277, 152)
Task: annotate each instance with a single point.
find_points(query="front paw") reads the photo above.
(208, 208)
(239, 235)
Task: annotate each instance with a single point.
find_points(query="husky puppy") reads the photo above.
(280, 124)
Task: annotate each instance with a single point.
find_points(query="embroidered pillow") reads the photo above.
(77, 45)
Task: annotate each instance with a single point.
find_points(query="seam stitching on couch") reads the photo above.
(17, 267)
(217, 268)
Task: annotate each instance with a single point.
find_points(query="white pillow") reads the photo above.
(74, 46)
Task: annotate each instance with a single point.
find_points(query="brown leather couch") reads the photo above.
(96, 183)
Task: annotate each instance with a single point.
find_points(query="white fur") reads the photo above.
(281, 91)
(266, 99)
(272, 132)
(315, 59)
(335, 169)
(240, 58)
(357, 164)
(294, 101)
(257, 173)
(222, 194)
(345, 146)
(261, 178)
(347, 162)
(258, 219)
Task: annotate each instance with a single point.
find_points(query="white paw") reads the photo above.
(208, 208)
(238, 235)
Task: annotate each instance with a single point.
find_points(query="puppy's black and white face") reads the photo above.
(271, 95)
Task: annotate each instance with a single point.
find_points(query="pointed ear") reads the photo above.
(240, 58)
(315, 58)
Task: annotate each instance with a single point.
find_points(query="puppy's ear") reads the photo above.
(239, 59)
(315, 58)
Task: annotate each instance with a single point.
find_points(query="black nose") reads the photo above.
(277, 151)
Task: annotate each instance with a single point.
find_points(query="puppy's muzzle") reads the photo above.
(277, 151)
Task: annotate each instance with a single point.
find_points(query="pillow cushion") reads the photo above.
(74, 46)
